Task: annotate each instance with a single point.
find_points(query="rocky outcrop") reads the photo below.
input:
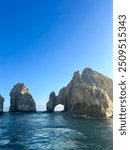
(21, 100)
(89, 93)
(1, 104)
(52, 102)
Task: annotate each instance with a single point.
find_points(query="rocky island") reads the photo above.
(21, 100)
(1, 104)
(89, 93)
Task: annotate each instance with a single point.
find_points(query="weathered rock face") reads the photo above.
(1, 104)
(52, 102)
(21, 100)
(89, 93)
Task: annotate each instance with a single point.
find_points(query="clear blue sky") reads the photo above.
(42, 42)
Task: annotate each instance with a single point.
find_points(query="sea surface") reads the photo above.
(56, 131)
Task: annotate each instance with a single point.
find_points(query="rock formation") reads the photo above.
(1, 104)
(21, 100)
(89, 93)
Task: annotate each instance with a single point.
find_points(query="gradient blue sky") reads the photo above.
(42, 42)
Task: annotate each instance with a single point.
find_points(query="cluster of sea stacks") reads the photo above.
(89, 93)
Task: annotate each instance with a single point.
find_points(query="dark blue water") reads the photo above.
(57, 131)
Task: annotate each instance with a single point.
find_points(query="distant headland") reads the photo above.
(89, 93)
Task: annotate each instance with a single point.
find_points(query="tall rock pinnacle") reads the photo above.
(1, 104)
(21, 100)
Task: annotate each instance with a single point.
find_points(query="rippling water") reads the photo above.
(57, 131)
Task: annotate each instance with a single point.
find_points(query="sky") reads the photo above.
(43, 42)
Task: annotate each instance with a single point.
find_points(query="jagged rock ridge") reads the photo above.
(89, 93)
(1, 104)
(21, 100)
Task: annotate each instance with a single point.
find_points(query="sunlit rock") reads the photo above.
(89, 93)
(21, 100)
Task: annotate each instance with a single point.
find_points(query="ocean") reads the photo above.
(54, 131)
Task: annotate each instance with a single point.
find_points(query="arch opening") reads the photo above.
(59, 108)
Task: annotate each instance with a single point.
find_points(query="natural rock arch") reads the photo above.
(89, 93)
(59, 107)
(53, 102)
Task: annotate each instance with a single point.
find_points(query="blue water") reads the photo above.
(57, 131)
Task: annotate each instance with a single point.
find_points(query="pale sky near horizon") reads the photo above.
(43, 42)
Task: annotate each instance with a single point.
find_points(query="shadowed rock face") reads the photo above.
(1, 104)
(89, 93)
(21, 100)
